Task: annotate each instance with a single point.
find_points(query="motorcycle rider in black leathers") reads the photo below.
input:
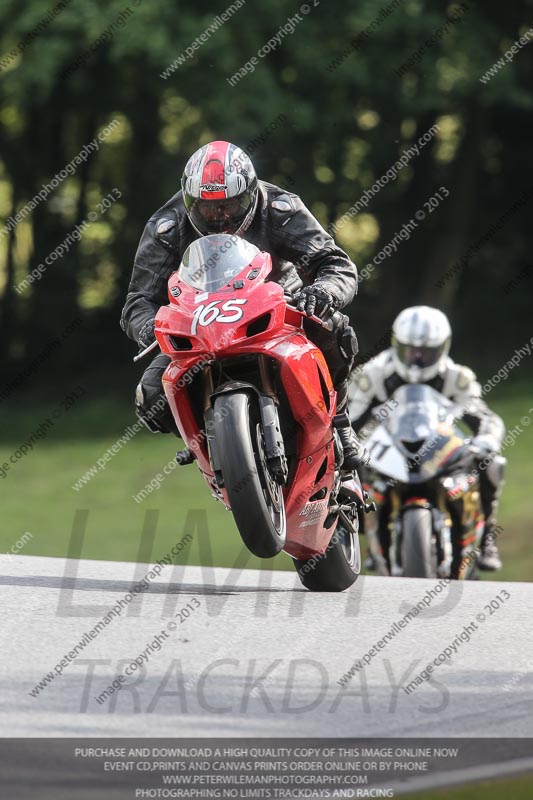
(221, 194)
(421, 338)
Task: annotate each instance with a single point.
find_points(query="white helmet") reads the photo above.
(421, 339)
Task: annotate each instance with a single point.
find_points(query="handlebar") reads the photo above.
(146, 350)
(330, 323)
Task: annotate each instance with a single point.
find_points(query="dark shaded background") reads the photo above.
(344, 128)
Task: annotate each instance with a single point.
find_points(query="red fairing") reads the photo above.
(216, 325)
(214, 169)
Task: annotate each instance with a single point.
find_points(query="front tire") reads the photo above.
(419, 557)
(339, 566)
(256, 499)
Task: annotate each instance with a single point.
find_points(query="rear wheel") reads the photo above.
(419, 556)
(255, 497)
(339, 566)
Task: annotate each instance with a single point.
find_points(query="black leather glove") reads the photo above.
(146, 334)
(317, 300)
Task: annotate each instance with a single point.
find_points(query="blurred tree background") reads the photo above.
(344, 128)
(345, 125)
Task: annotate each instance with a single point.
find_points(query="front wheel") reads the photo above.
(419, 557)
(256, 499)
(338, 567)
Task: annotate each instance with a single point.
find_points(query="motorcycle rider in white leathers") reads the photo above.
(419, 350)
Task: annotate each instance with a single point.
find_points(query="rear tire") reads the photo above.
(256, 499)
(419, 557)
(338, 568)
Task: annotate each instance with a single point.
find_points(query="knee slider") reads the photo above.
(346, 338)
(495, 471)
(144, 412)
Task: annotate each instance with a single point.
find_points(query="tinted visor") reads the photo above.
(219, 216)
(419, 356)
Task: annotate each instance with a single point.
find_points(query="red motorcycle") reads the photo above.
(254, 401)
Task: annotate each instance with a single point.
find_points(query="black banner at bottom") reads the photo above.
(126, 769)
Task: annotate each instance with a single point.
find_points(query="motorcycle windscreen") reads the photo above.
(211, 262)
(422, 428)
(417, 415)
(413, 428)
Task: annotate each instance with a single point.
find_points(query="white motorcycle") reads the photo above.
(423, 468)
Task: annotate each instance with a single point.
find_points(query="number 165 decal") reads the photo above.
(205, 315)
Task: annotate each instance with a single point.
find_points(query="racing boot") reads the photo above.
(370, 563)
(184, 457)
(490, 483)
(489, 558)
(354, 451)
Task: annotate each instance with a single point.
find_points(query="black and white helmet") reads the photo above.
(220, 189)
(421, 338)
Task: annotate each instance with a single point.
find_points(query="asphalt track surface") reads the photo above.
(258, 656)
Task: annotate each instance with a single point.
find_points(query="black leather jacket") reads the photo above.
(301, 251)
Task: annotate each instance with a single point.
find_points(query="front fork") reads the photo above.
(270, 424)
(441, 525)
(443, 532)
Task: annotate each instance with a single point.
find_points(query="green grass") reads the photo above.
(37, 494)
(514, 789)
